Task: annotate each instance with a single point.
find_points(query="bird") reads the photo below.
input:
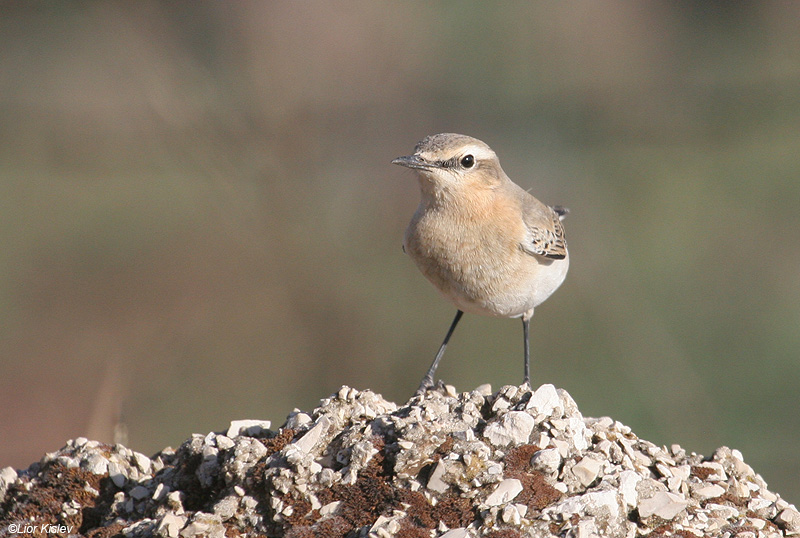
(483, 241)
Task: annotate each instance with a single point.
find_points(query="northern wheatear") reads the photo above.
(485, 243)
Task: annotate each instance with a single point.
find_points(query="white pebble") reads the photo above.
(663, 504)
(505, 492)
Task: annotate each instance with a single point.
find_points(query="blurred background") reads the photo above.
(199, 221)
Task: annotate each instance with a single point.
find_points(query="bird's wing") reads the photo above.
(545, 235)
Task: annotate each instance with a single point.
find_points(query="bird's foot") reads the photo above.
(426, 385)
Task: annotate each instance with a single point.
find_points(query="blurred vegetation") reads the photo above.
(199, 221)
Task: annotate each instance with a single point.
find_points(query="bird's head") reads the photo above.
(450, 163)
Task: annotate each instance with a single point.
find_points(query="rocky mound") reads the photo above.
(505, 465)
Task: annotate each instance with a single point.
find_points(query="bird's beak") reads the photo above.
(413, 161)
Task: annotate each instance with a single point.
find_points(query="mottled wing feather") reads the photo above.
(545, 231)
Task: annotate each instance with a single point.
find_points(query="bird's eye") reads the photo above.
(467, 161)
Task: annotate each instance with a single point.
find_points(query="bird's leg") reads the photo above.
(427, 381)
(526, 324)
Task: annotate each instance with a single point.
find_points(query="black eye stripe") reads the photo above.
(449, 163)
(467, 161)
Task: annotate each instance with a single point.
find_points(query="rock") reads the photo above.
(587, 470)
(117, 474)
(206, 525)
(708, 492)
(250, 428)
(435, 481)
(663, 504)
(175, 501)
(297, 420)
(513, 513)
(308, 441)
(170, 525)
(628, 480)
(96, 464)
(594, 503)
(139, 492)
(456, 533)
(512, 463)
(484, 390)
(506, 491)
(330, 508)
(547, 461)
(224, 442)
(142, 462)
(710, 471)
(227, 507)
(385, 526)
(789, 520)
(7, 477)
(721, 511)
(600, 507)
(160, 492)
(515, 427)
(545, 401)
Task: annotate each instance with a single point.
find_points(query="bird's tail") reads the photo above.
(561, 211)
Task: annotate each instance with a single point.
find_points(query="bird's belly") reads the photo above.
(512, 293)
(487, 277)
